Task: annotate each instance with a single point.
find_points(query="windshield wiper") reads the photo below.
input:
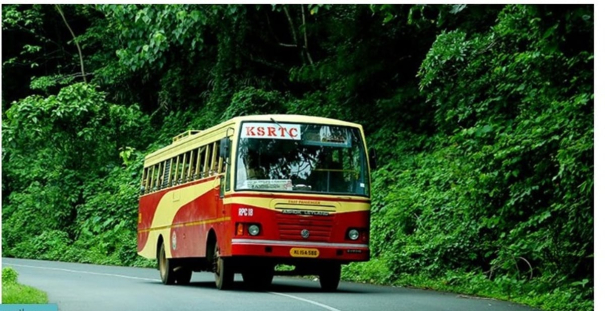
(282, 128)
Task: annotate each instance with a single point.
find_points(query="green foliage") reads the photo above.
(9, 276)
(45, 83)
(152, 29)
(523, 120)
(375, 271)
(15, 293)
(486, 195)
(58, 150)
(250, 101)
(531, 293)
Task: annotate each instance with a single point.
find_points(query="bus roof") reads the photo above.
(190, 135)
(294, 118)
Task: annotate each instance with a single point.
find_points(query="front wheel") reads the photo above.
(223, 270)
(329, 278)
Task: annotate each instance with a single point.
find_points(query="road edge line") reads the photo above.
(307, 301)
(80, 271)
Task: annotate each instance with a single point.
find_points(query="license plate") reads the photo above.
(304, 252)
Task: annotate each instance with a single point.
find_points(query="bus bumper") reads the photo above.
(299, 250)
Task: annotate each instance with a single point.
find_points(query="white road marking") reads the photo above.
(307, 300)
(84, 272)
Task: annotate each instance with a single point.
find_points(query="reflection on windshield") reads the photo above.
(301, 158)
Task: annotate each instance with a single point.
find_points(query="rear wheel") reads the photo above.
(167, 273)
(223, 270)
(258, 277)
(329, 278)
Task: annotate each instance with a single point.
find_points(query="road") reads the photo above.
(83, 287)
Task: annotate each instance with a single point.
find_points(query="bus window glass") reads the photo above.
(202, 162)
(192, 162)
(185, 167)
(174, 172)
(301, 158)
(166, 173)
(144, 180)
(211, 163)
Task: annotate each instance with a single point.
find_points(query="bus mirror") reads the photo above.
(224, 147)
(373, 158)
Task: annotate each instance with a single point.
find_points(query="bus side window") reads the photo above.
(166, 173)
(149, 185)
(208, 160)
(158, 178)
(192, 161)
(199, 163)
(153, 178)
(178, 169)
(173, 167)
(184, 167)
(214, 167)
(148, 180)
(175, 176)
(144, 181)
(221, 161)
(161, 177)
(158, 168)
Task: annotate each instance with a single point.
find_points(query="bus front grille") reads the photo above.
(291, 227)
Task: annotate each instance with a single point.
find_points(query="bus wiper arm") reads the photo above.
(281, 127)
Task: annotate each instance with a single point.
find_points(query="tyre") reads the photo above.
(329, 278)
(223, 270)
(167, 273)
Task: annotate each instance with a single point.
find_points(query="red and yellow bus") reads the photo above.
(255, 192)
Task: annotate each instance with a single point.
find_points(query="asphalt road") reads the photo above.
(82, 287)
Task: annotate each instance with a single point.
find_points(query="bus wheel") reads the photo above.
(167, 272)
(330, 277)
(258, 277)
(183, 276)
(223, 271)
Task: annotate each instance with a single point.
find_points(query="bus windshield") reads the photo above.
(312, 158)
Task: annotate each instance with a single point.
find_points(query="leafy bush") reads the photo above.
(501, 197)
(9, 276)
(15, 293)
(374, 271)
(250, 101)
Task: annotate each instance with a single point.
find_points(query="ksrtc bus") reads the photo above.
(256, 192)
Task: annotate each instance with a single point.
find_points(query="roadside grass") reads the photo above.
(537, 293)
(15, 293)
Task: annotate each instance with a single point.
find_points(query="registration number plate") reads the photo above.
(304, 252)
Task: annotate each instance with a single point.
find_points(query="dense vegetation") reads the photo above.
(482, 117)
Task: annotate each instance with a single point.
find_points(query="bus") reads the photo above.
(255, 193)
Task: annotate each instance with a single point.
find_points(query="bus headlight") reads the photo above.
(353, 234)
(253, 230)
